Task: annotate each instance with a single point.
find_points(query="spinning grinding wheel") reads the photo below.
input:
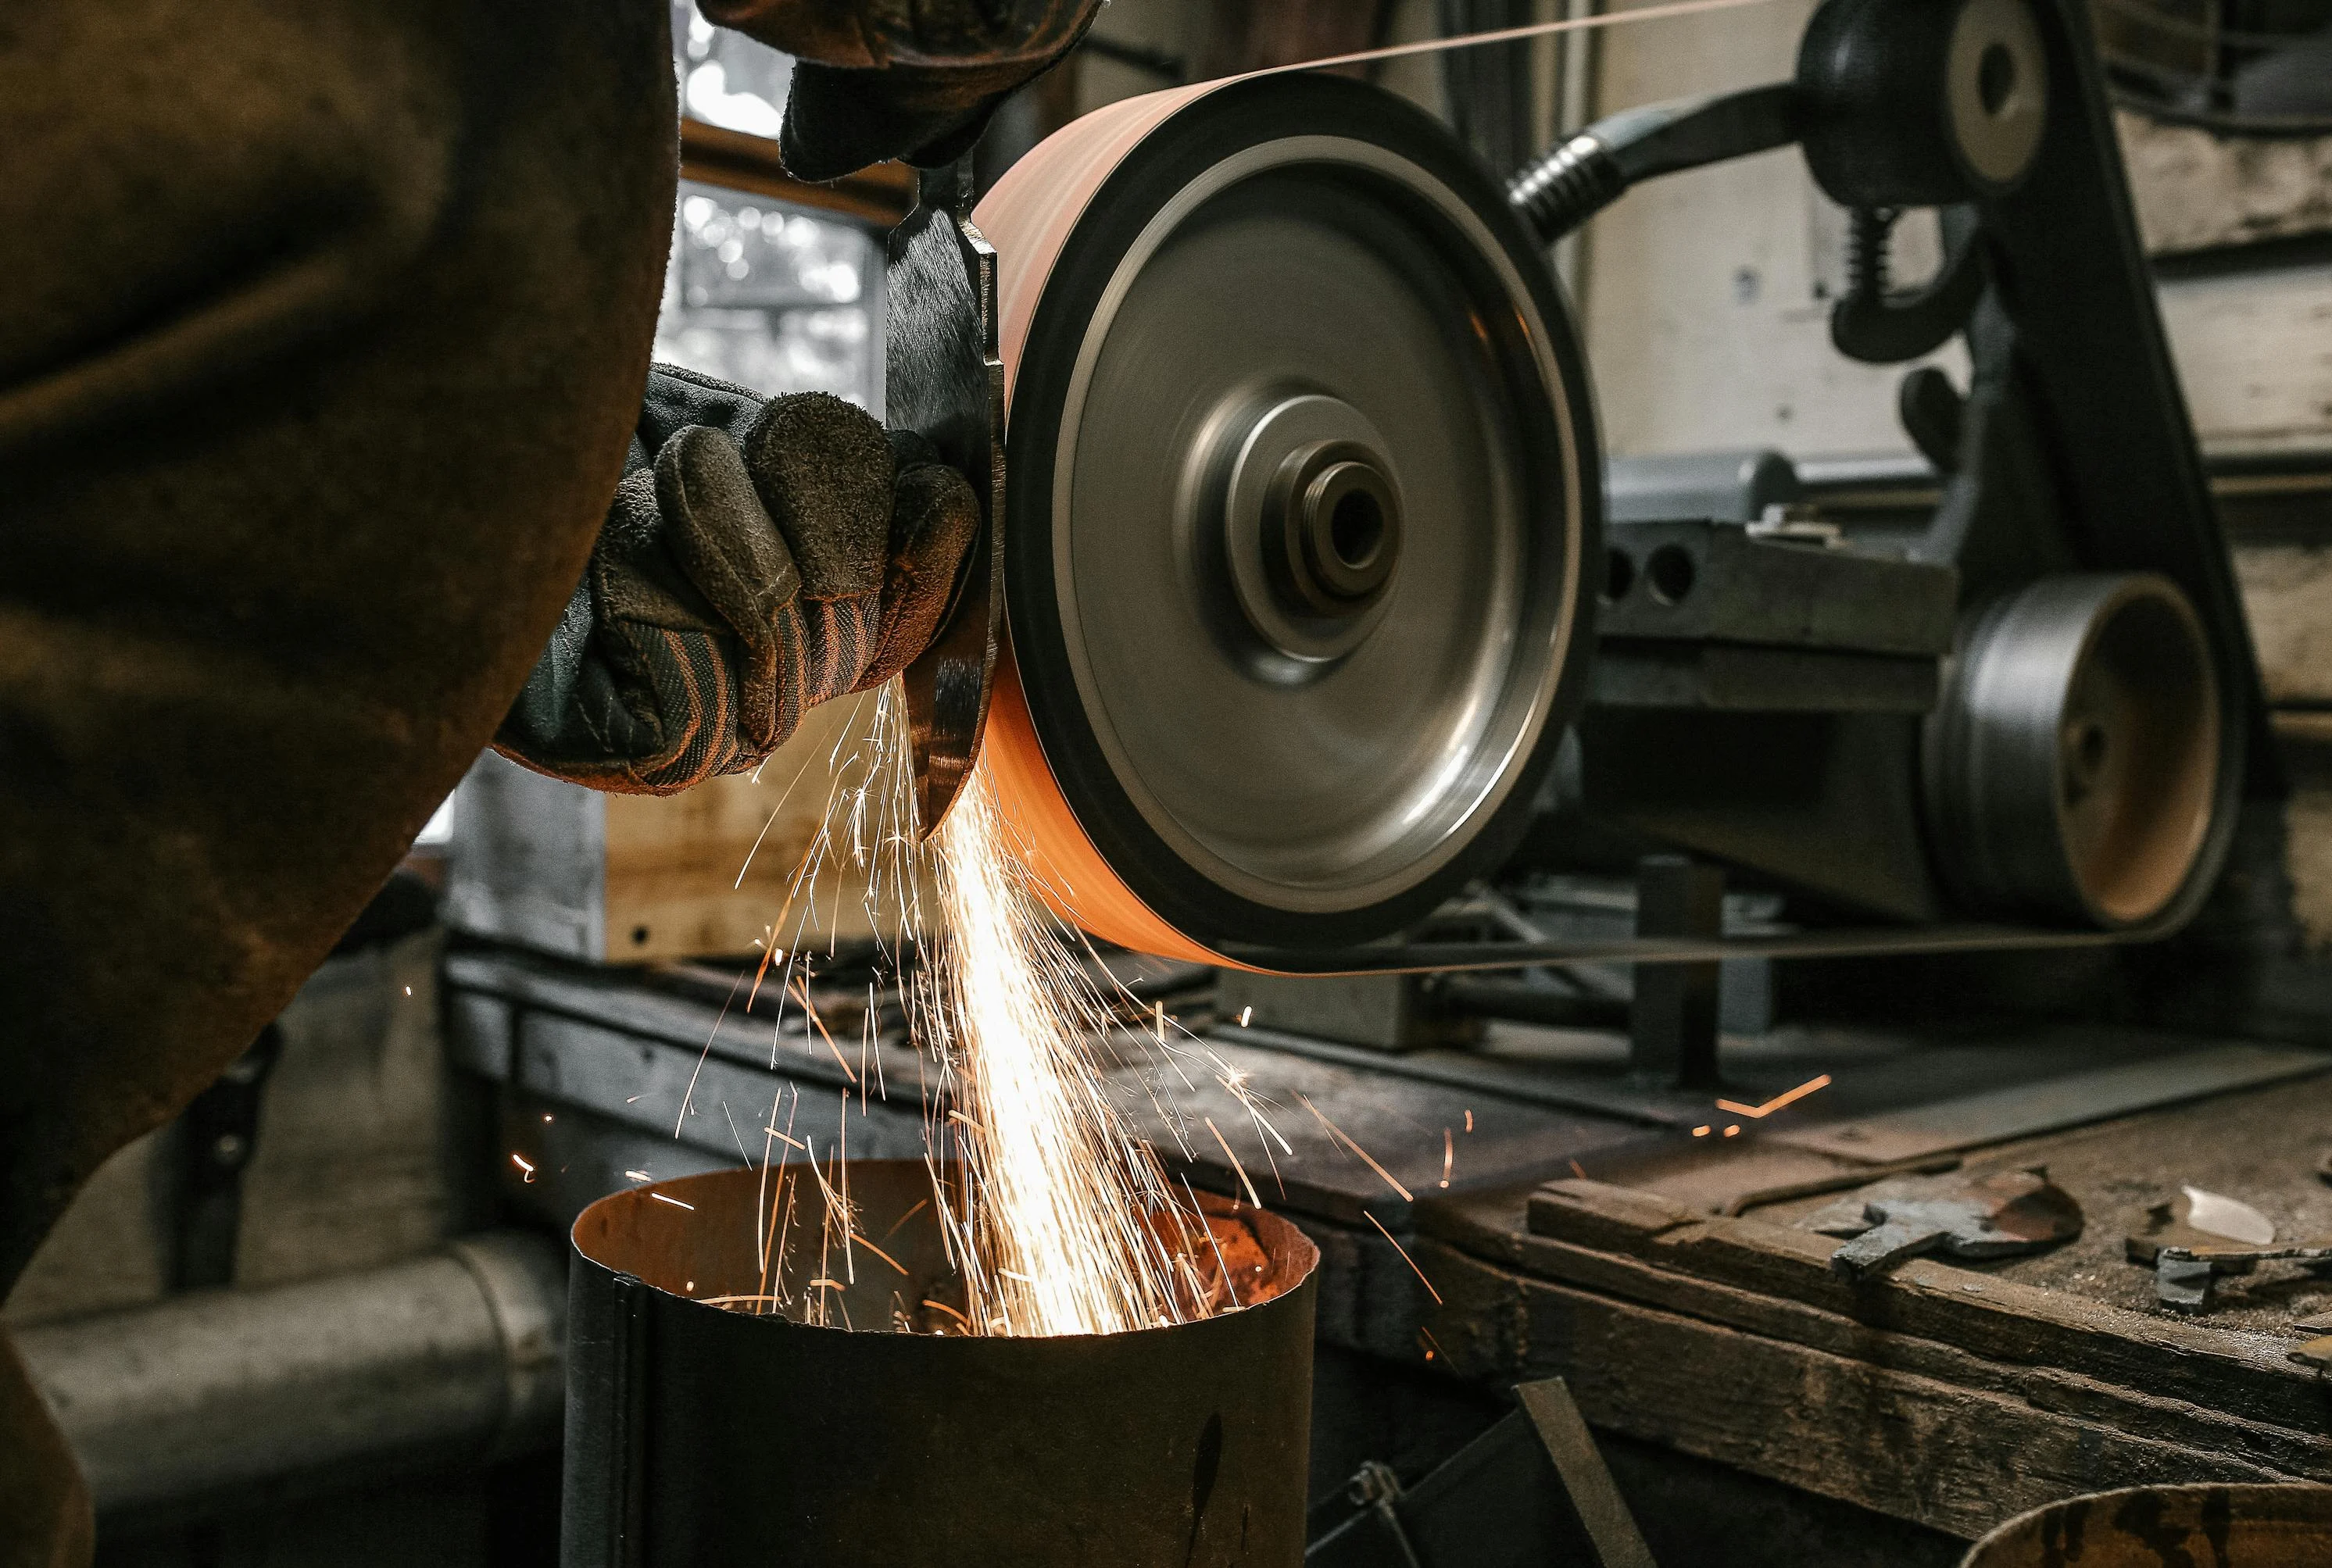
(1304, 481)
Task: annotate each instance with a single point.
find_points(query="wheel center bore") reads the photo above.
(1311, 517)
(1332, 527)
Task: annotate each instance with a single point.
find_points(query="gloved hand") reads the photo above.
(914, 81)
(759, 559)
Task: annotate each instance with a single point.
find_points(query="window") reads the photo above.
(772, 293)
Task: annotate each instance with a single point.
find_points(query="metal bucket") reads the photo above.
(2288, 1526)
(700, 1434)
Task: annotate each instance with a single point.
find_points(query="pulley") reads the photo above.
(1305, 488)
(2073, 767)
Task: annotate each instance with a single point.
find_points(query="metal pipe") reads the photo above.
(698, 1435)
(214, 1394)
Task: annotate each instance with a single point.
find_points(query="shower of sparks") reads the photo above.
(1052, 1228)
(1056, 1217)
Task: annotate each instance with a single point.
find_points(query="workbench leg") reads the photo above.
(1672, 1023)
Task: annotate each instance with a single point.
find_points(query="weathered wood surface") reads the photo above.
(719, 870)
(2287, 591)
(1846, 1422)
(2198, 190)
(1938, 1394)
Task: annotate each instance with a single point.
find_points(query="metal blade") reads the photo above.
(945, 380)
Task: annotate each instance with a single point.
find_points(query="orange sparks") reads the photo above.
(951, 1312)
(1469, 1121)
(878, 1253)
(801, 994)
(1225, 1146)
(921, 1204)
(1448, 1155)
(1058, 1185)
(520, 1163)
(1755, 1112)
(1578, 1170)
(1406, 1258)
(1700, 1132)
(1734, 1131)
(1338, 1134)
(675, 1202)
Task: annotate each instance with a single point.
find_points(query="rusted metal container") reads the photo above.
(704, 1434)
(2235, 1526)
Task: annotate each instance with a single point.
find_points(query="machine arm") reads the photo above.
(1587, 172)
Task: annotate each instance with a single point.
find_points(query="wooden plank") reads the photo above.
(2287, 597)
(718, 155)
(2195, 190)
(2142, 1411)
(717, 870)
(1997, 1319)
(1915, 1447)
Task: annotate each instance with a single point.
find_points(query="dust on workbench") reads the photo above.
(2261, 1145)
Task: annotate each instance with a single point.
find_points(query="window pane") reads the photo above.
(726, 79)
(771, 296)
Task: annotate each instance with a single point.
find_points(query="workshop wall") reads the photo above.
(1705, 299)
(1707, 295)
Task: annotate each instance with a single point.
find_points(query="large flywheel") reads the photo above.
(1304, 506)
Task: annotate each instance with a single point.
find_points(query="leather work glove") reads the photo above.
(764, 557)
(882, 78)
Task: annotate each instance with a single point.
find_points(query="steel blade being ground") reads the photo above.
(942, 379)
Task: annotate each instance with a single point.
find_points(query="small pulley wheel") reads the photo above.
(2072, 766)
(1305, 486)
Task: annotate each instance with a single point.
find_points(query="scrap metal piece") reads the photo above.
(2231, 1224)
(1994, 1216)
(2182, 1281)
(2184, 1275)
(943, 378)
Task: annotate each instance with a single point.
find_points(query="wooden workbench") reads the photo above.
(1951, 1395)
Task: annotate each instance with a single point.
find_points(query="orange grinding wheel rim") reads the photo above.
(1111, 850)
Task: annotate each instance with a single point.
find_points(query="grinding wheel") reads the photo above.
(1304, 483)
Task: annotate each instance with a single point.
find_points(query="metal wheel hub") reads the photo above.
(1302, 489)
(1294, 509)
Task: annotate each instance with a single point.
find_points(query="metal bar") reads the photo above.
(1672, 1021)
(1429, 957)
(1611, 1527)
